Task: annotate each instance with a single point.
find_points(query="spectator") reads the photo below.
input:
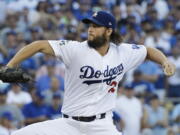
(11, 44)
(39, 15)
(130, 110)
(17, 96)
(54, 110)
(117, 121)
(6, 126)
(152, 17)
(171, 132)
(11, 25)
(162, 8)
(176, 118)
(82, 10)
(150, 71)
(2, 11)
(141, 86)
(174, 81)
(43, 83)
(36, 111)
(35, 34)
(14, 110)
(157, 117)
(23, 21)
(43, 69)
(54, 89)
(155, 39)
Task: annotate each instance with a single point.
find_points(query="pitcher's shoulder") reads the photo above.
(130, 46)
(124, 45)
(79, 43)
(121, 46)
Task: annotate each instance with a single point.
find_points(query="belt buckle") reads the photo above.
(78, 118)
(98, 116)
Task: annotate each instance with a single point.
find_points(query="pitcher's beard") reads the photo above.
(98, 42)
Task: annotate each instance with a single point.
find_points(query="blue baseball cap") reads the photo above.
(50, 63)
(153, 97)
(101, 18)
(129, 86)
(56, 96)
(11, 32)
(7, 115)
(40, 94)
(3, 92)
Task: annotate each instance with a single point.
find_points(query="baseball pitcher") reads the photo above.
(93, 70)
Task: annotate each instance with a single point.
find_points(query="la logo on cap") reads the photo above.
(95, 14)
(110, 23)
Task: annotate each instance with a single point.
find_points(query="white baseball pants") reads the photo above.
(68, 126)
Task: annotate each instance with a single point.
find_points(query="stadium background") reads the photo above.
(154, 23)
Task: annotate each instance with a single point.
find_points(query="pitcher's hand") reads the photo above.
(168, 68)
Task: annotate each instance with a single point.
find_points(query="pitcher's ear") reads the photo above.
(109, 31)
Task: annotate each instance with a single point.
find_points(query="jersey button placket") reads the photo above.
(102, 76)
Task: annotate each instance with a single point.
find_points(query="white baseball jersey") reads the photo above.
(91, 79)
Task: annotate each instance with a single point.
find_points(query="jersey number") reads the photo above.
(113, 84)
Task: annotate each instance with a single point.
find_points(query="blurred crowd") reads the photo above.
(148, 103)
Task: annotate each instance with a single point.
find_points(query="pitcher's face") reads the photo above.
(97, 36)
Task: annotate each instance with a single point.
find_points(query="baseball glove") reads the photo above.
(14, 75)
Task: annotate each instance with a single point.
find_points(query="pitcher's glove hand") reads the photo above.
(14, 75)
